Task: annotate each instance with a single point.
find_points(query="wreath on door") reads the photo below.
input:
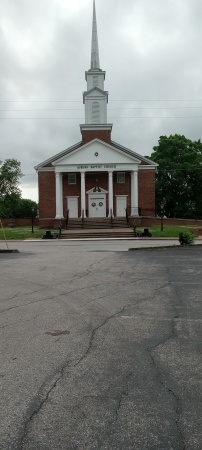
(93, 204)
(100, 204)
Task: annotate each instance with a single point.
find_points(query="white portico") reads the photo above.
(99, 158)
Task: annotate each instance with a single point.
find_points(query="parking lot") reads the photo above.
(100, 347)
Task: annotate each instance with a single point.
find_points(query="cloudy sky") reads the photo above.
(150, 49)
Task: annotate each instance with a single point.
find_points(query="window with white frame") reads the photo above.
(71, 178)
(121, 177)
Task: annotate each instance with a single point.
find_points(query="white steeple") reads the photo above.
(95, 98)
(95, 62)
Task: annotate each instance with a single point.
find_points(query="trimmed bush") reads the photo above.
(186, 238)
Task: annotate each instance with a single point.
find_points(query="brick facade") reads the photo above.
(47, 202)
(90, 135)
(146, 193)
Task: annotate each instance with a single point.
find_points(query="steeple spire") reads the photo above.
(95, 62)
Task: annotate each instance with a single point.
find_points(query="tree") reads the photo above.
(11, 203)
(13, 206)
(179, 176)
(10, 173)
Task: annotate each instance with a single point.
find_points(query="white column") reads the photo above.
(134, 193)
(58, 196)
(83, 194)
(110, 193)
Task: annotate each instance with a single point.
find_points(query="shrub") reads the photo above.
(186, 238)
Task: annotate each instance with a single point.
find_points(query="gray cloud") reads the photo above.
(150, 51)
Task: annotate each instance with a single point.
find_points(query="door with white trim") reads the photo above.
(72, 206)
(121, 204)
(97, 205)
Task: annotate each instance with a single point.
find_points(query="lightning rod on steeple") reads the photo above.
(95, 61)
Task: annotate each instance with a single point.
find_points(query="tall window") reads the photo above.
(95, 112)
(121, 177)
(71, 178)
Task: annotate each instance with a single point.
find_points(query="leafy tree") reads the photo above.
(179, 176)
(27, 208)
(13, 206)
(10, 173)
(11, 203)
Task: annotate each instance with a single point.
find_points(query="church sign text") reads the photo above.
(107, 166)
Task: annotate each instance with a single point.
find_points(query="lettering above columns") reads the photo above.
(107, 166)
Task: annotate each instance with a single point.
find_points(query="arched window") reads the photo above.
(95, 112)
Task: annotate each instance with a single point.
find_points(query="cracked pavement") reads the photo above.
(125, 371)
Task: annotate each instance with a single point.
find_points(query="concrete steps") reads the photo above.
(98, 223)
(97, 228)
(125, 233)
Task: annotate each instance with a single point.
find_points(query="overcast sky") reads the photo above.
(150, 49)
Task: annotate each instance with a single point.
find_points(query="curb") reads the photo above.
(9, 251)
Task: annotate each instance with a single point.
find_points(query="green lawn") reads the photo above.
(168, 231)
(22, 233)
(26, 232)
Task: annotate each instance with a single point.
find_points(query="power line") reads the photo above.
(119, 118)
(111, 100)
(109, 109)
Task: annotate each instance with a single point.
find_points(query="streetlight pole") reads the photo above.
(162, 213)
(32, 220)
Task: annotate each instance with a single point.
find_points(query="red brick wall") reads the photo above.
(146, 192)
(20, 222)
(90, 135)
(47, 203)
(152, 221)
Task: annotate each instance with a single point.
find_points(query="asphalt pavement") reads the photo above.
(100, 347)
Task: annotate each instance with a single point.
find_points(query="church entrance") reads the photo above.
(121, 204)
(97, 204)
(72, 206)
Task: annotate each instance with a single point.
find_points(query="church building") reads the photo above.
(96, 177)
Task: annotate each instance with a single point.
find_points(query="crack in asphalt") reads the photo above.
(93, 334)
(40, 405)
(177, 399)
(124, 393)
(60, 376)
(66, 293)
(151, 349)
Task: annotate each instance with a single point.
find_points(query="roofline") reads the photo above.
(137, 160)
(132, 153)
(58, 155)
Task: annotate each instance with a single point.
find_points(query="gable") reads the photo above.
(93, 91)
(96, 152)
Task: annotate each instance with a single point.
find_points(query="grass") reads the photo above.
(20, 233)
(168, 231)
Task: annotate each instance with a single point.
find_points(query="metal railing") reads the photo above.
(127, 215)
(67, 219)
(82, 218)
(111, 217)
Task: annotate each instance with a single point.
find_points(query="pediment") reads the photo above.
(96, 153)
(93, 91)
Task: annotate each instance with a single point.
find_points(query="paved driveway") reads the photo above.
(100, 347)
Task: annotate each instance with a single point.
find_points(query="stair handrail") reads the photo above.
(82, 218)
(127, 215)
(67, 219)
